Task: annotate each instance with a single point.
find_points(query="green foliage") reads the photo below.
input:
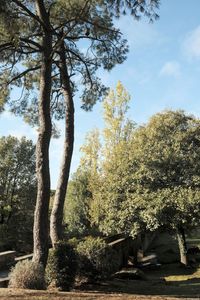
(115, 109)
(166, 151)
(76, 212)
(27, 275)
(82, 205)
(116, 171)
(90, 23)
(147, 177)
(17, 190)
(136, 8)
(91, 163)
(166, 172)
(97, 260)
(172, 208)
(61, 266)
(101, 184)
(73, 242)
(157, 184)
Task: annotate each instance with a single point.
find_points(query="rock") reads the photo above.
(130, 274)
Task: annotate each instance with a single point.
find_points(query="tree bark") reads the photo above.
(56, 228)
(182, 245)
(41, 222)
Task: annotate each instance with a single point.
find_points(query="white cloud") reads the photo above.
(139, 34)
(191, 44)
(171, 68)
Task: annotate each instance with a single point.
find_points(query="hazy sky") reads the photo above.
(162, 71)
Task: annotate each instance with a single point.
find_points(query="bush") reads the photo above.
(73, 242)
(97, 260)
(27, 275)
(61, 266)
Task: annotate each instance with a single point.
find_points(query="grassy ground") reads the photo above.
(168, 282)
(6, 294)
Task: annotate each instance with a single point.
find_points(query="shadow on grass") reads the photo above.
(132, 287)
(180, 285)
(175, 269)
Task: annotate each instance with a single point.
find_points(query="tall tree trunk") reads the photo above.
(182, 245)
(41, 222)
(56, 229)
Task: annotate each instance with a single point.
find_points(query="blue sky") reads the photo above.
(162, 71)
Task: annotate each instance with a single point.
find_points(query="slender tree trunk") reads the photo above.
(182, 245)
(56, 229)
(41, 222)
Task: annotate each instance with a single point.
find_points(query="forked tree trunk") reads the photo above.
(56, 228)
(182, 245)
(41, 222)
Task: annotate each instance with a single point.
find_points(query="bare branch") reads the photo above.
(5, 46)
(84, 63)
(26, 40)
(23, 74)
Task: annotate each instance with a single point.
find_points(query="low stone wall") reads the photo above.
(7, 259)
(24, 257)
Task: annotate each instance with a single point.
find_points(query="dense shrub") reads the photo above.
(73, 242)
(97, 260)
(27, 275)
(61, 266)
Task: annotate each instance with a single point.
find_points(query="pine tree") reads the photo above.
(40, 54)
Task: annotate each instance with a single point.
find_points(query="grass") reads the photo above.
(8, 294)
(168, 282)
(179, 278)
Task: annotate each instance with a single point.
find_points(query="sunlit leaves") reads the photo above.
(166, 171)
(166, 151)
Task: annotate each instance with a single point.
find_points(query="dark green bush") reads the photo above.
(97, 260)
(27, 275)
(61, 266)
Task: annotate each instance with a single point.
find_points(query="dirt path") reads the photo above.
(8, 294)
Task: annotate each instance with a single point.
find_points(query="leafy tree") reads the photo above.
(117, 135)
(149, 177)
(105, 48)
(103, 170)
(166, 174)
(91, 164)
(170, 142)
(82, 205)
(76, 213)
(17, 190)
(40, 49)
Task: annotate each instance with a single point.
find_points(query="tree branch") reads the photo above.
(84, 63)
(26, 40)
(32, 15)
(23, 74)
(6, 45)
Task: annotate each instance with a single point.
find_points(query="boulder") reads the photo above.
(130, 274)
